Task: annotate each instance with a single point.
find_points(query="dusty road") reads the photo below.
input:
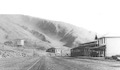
(56, 63)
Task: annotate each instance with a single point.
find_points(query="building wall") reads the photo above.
(66, 52)
(112, 46)
(62, 52)
(90, 49)
(77, 51)
(58, 51)
(102, 41)
(20, 42)
(51, 50)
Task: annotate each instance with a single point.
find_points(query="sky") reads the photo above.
(100, 16)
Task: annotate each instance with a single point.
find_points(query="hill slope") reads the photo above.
(52, 32)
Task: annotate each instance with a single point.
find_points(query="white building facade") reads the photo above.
(112, 45)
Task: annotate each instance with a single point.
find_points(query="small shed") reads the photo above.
(20, 42)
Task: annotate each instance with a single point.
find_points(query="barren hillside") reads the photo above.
(43, 31)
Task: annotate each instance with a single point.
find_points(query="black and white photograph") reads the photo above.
(59, 34)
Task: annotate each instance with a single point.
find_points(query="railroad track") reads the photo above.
(38, 65)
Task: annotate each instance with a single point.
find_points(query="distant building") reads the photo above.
(51, 50)
(59, 51)
(20, 42)
(102, 47)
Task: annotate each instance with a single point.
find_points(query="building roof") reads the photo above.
(111, 35)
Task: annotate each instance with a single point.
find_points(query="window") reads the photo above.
(101, 41)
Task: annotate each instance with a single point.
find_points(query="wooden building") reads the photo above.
(51, 50)
(91, 49)
(102, 47)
